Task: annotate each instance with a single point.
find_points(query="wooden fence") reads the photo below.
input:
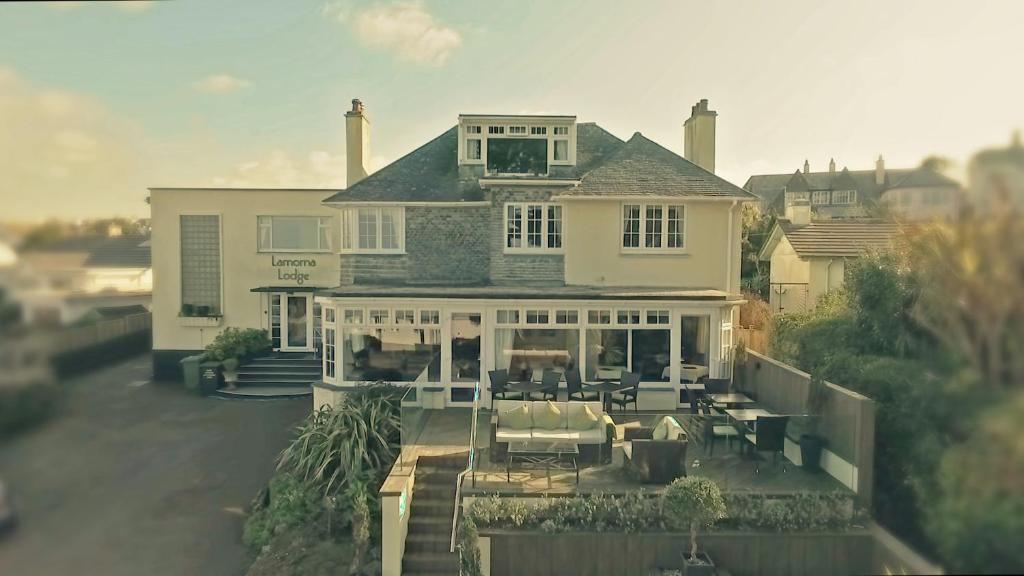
(81, 348)
(847, 419)
(742, 553)
(755, 339)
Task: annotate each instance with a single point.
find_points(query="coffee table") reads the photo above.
(547, 453)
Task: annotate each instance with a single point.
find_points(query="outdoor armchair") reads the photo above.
(656, 455)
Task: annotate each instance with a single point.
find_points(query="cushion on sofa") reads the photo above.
(581, 417)
(510, 435)
(593, 436)
(556, 434)
(660, 431)
(547, 416)
(516, 419)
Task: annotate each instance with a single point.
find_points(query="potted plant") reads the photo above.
(811, 442)
(188, 310)
(696, 502)
(203, 310)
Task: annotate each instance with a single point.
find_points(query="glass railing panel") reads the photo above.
(413, 420)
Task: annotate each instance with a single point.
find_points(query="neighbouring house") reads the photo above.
(61, 282)
(996, 173)
(809, 257)
(528, 243)
(920, 193)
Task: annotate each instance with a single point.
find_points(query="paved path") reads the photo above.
(139, 478)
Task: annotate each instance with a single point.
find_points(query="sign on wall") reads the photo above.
(293, 269)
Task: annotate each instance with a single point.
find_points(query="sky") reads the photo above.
(101, 100)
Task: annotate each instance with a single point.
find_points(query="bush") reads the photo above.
(694, 501)
(292, 503)
(237, 343)
(25, 406)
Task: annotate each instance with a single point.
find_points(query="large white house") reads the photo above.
(508, 241)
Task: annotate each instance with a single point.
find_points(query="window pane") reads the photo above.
(537, 316)
(388, 230)
(324, 225)
(652, 232)
(561, 150)
(631, 226)
(367, 228)
(525, 353)
(430, 317)
(534, 213)
(508, 316)
(694, 345)
(263, 225)
(517, 156)
(567, 317)
(651, 354)
(465, 347)
(295, 233)
(392, 354)
(628, 317)
(599, 317)
(353, 316)
(473, 149)
(554, 226)
(514, 221)
(675, 226)
(606, 354)
(405, 316)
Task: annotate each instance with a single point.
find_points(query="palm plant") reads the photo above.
(354, 441)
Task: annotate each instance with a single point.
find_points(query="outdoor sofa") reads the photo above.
(595, 443)
(656, 455)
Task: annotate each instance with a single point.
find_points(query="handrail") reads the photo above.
(469, 465)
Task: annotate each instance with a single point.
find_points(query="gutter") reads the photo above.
(728, 260)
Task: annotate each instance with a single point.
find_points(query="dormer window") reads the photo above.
(527, 157)
(517, 145)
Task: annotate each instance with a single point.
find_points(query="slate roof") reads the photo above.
(839, 238)
(769, 187)
(642, 167)
(128, 251)
(605, 164)
(546, 293)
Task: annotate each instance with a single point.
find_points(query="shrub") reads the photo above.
(802, 511)
(25, 406)
(237, 343)
(292, 503)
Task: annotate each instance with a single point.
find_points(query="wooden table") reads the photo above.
(606, 388)
(526, 387)
(730, 399)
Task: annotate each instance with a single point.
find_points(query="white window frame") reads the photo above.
(350, 230)
(850, 197)
(643, 248)
(817, 195)
(545, 234)
(266, 222)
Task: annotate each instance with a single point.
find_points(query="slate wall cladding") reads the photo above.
(521, 269)
(447, 245)
(373, 268)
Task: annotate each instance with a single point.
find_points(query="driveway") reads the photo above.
(133, 477)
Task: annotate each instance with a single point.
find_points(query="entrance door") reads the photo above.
(291, 318)
(466, 344)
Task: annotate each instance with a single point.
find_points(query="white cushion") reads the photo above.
(509, 435)
(560, 434)
(593, 436)
(540, 412)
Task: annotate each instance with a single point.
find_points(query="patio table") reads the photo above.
(526, 387)
(730, 399)
(549, 454)
(687, 372)
(747, 414)
(606, 388)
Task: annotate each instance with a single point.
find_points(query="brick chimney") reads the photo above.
(699, 136)
(832, 165)
(357, 143)
(807, 167)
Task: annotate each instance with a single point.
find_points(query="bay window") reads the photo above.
(653, 227)
(373, 230)
(294, 233)
(533, 227)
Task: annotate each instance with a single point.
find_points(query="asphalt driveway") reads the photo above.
(133, 477)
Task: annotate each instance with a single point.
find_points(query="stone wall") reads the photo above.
(520, 269)
(447, 245)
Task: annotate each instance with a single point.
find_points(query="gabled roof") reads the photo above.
(836, 238)
(606, 166)
(128, 251)
(642, 167)
(925, 178)
(769, 187)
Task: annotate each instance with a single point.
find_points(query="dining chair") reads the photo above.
(630, 390)
(574, 386)
(499, 385)
(716, 425)
(549, 380)
(769, 435)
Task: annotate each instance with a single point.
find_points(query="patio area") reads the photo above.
(447, 432)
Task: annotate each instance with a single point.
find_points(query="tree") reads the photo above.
(756, 228)
(696, 502)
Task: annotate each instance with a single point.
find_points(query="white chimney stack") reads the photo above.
(699, 136)
(357, 143)
(880, 171)
(798, 212)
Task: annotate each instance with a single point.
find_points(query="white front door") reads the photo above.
(292, 322)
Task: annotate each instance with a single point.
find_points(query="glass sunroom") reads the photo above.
(446, 345)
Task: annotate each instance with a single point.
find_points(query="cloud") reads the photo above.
(405, 29)
(63, 153)
(282, 169)
(220, 84)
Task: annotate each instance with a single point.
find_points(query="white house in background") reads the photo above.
(808, 258)
(63, 281)
(996, 172)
